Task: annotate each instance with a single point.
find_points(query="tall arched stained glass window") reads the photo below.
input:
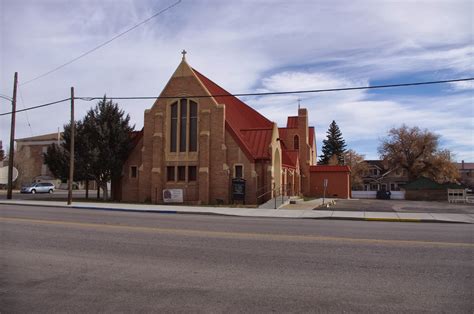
(193, 118)
(174, 127)
(184, 126)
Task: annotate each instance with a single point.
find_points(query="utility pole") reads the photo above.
(71, 160)
(12, 140)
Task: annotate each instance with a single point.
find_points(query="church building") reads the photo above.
(198, 139)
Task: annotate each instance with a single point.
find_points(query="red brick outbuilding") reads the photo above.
(338, 178)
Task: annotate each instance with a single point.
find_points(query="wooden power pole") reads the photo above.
(71, 160)
(12, 140)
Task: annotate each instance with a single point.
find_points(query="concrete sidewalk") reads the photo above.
(305, 212)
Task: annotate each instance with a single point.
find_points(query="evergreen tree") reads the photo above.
(57, 156)
(107, 129)
(102, 143)
(333, 145)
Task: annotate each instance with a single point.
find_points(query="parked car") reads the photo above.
(42, 187)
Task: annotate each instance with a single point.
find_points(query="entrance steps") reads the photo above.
(277, 202)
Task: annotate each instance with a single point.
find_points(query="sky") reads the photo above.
(251, 46)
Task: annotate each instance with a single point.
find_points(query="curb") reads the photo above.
(158, 211)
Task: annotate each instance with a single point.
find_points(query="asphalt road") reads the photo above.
(70, 260)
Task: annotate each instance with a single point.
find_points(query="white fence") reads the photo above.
(457, 195)
(396, 195)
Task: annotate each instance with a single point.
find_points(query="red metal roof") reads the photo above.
(327, 168)
(289, 158)
(292, 122)
(135, 137)
(465, 165)
(241, 119)
(282, 135)
(282, 132)
(258, 140)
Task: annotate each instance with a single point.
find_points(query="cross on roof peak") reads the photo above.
(184, 52)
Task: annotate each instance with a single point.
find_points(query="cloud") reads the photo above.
(463, 85)
(365, 118)
(244, 47)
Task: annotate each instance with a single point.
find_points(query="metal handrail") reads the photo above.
(270, 191)
(282, 190)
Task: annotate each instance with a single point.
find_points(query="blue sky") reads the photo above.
(248, 46)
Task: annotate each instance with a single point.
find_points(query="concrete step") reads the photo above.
(270, 204)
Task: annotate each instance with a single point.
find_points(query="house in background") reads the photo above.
(29, 158)
(198, 145)
(466, 173)
(379, 177)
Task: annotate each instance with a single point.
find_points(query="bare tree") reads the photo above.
(417, 152)
(358, 168)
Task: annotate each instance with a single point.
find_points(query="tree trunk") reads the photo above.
(105, 191)
(98, 189)
(87, 189)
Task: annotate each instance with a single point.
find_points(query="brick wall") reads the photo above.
(215, 158)
(338, 184)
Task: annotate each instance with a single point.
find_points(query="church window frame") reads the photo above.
(192, 173)
(184, 125)
(296, 142)
(134, 172)
(181, 173)
(170, 173)
(236, 172)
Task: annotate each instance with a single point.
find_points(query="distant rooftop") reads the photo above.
(44, 137)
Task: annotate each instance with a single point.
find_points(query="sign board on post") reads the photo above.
(173, 195)
(325, 184)
(238, 189)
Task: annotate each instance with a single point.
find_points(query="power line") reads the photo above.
(254, 94)
(26, 112)
(287, 92)
(6, 97)
(103, 44)
(36, 107)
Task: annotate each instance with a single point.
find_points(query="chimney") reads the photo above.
(462, 164)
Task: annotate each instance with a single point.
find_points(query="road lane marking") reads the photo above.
(230, 235)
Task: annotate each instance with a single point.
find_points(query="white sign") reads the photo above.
(4, 175)
(173, 195)
(325, 183)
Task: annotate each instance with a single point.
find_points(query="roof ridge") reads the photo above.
(257, 129)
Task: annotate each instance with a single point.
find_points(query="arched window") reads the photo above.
(174, 127)
(296, 142)
(183, 126)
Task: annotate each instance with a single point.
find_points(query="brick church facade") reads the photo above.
(198, 143)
